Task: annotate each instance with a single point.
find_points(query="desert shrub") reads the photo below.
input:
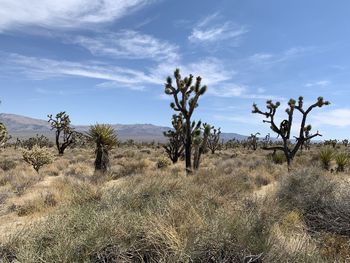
(333, 246)
(162, 163)
(277, 157)
(341, 159)
(7, 164)
(326, 156)
(324, 204)
(160, 220)
(305, 189)
(131, 168)
(37, 157)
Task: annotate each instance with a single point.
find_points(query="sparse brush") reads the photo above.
(326, 156)
(37, 157)
(342, 159)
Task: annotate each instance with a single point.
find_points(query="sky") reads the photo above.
(106, 61)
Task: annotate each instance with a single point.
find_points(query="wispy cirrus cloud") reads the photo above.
(219, 79)
(42, 68)
(64, 13)
(321, 83)
(277, 57)
(129, 44)
(211, 29)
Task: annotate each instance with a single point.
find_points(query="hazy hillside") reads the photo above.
(22, 127)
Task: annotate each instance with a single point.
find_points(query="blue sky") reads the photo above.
(106, 61)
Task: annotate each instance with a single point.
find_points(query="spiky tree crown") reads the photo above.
(103, 135)
(186, 94)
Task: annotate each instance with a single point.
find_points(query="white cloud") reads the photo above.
(273, 58)
(209, 30)
(129, 44)
(228, 90)
(321, 83)
(16, 14)
(39, 68)
(337, 117)
(214, 74)
(211, 70)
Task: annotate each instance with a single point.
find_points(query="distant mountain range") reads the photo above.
(25, 127)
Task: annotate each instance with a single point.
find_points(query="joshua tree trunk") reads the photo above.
(188, 146)
(102, 159)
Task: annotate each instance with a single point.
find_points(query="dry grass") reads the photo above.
(240, 203)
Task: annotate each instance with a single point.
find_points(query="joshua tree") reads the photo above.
(267, 140)
(40, 141)
(213, 140)
(105, 138)
(284, 129)
(252, 141)
(200, 144)
(333, 143)
(175, 147)
(61, 123)
(3, 134)
(186, 96)
(345, 142)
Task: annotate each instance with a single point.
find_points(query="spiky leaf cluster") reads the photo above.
(186, 93)
(103, 135)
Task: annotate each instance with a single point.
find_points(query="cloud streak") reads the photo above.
(65, 14)
(129, 44)
(209, 30)
(41, 68)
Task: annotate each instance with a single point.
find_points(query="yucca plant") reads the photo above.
(105, 138)
(342, 159)
(326, 156)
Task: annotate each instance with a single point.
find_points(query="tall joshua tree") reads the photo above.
(284, 129)
(105, 138)
(175, 147)
(61, 123)
(186, 96)
(213, 139)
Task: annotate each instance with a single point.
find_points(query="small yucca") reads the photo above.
(342, 159)
(326, 156)
(105, 138)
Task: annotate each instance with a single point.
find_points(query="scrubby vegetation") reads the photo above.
(194, 199)
(236, 207)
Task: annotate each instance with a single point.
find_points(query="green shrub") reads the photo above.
(326, 156)
(277, 157)
(342, 159)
